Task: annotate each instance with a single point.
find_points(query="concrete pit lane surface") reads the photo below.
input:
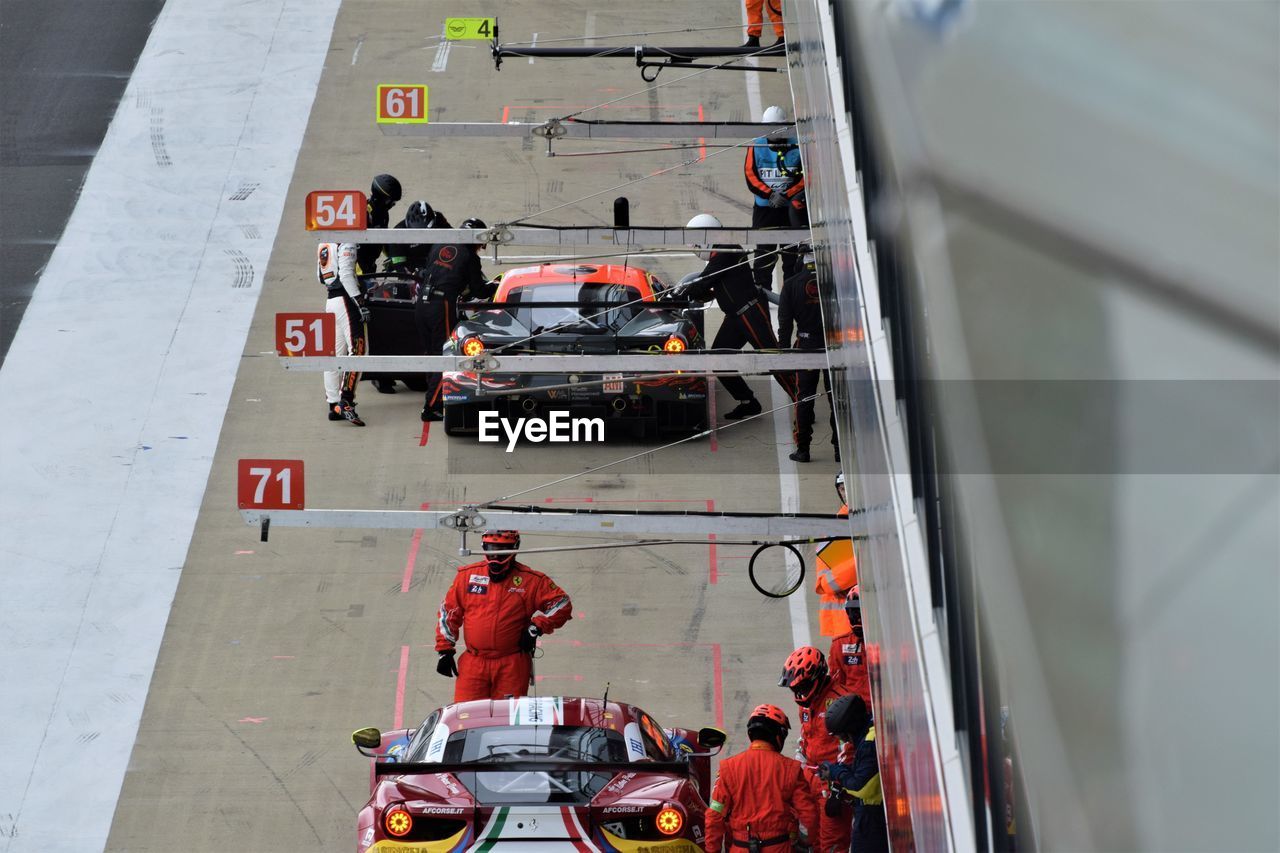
(274, 652)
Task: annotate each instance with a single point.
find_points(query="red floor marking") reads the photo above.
(404, 672)
(426, 434)
(702, 140)
(568, 500)
(254, 720)
(282, 657)
(238, 553)
(711, 537)
(538, 679)
(413, 554)
(506, 114)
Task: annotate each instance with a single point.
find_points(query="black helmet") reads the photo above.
(473, 223)
(385, 188)
(847, 716)
(419, 215)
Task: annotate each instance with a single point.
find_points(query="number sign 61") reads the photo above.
(270, 484)
(305, 334)
(401, 103)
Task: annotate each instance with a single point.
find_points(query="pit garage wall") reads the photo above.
(927, 800)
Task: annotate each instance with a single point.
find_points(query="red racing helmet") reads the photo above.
(769, 723)
(501, 540)
(804, 672)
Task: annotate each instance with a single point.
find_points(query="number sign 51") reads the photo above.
(270, 484)
(305, 334)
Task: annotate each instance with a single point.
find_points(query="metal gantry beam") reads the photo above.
(573, 236)
(637, 524)
(740, 362)
(572, 129)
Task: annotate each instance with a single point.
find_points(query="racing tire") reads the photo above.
(772, 586)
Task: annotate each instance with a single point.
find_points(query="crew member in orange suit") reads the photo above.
(848, 656)
(500, 607)
(805, 674)
(835, 581)
(755, 21)
(760, 795)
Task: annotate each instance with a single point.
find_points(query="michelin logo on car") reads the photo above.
(557, 427)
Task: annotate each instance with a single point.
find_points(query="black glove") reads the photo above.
(529, 639)
(364, 311)
(777, 199)
(833, 807)
(446, 666)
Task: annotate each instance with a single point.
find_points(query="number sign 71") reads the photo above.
(270, 484)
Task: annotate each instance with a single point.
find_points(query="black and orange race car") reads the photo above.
(537, 773)
(585, 308)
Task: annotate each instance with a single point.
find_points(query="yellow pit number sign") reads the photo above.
(402, 103)
(459, 29)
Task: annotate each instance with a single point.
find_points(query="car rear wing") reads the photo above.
(482, 305)
(415, 768)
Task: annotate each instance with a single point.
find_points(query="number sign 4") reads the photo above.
(305, 334)
(270, 484)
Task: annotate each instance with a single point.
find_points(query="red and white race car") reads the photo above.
(537, 774)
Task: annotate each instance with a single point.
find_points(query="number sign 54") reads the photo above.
(336, 210)
(270, 484)
(305, 334)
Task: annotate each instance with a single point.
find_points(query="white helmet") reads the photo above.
(774, 115)
(703, 220)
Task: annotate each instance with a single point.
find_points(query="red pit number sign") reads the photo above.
(336, 210)
(305, 334)
(402, 103)
(270, 484)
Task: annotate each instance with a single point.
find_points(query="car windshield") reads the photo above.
(593, 319)
(498, 744)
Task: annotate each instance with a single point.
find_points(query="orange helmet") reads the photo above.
(769, 723)
(804, 672)
(500, 540)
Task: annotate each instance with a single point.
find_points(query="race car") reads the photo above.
(544, 773)
(558, 308)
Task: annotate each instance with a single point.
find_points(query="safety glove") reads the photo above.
(777, 199)
(446, 665)
(363, 308)
(529, 639)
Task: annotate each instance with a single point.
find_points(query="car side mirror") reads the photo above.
(710, 737)
(369, 738)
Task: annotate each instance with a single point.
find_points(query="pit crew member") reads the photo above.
(384, 192)
(800, 308)
(805, 675)
(452, 271)
(857, 774)
(760, 794)
(848, 656)
(755, 21)
(336, 270)
(727, 277)
(499, 607)
(775, 177)
(834, 580)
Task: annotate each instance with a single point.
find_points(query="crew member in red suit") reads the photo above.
(760, 794)
(500, 607)
(805, 674)
(848, 656)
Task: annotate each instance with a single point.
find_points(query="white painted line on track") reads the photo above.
(355, 54)
(788, 478)
(105, 470)
(442, 51)
(533, 43)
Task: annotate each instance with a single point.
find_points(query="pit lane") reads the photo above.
(275, 651)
